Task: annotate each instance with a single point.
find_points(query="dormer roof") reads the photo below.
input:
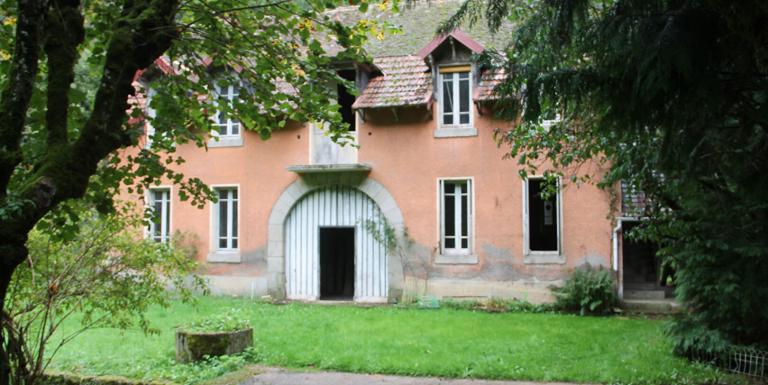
(457, 36)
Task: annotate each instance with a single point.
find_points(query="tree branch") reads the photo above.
(15, 96)
(63, 34)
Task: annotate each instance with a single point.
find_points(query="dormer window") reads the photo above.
(227, 131)
(455, 94)
(225, 126)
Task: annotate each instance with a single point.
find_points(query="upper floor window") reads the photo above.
(455, 216)
(455, 95)
(159, 203)
(223, 122)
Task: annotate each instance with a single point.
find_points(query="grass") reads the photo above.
(444, 342)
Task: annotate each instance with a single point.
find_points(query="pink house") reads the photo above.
(425, 205)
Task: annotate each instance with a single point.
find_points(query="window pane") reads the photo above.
(449, 187)
(463, 75)
(464, 95)
(464, 216)
(447, 99)
(234, 193)
(464, 119)
(450, 216)
(222, 194)
(464, 243)
(223, 218)
(235, 128)
(234, 218)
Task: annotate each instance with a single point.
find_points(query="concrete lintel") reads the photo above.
(329, 168)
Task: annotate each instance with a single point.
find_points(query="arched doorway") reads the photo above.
(334, 248)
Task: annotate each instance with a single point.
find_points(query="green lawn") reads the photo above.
(449, 343)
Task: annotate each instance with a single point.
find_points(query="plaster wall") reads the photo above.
(407, 159)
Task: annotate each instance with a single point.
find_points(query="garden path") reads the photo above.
(276, 376)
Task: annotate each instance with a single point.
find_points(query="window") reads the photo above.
(346, 99)
(223, 122)
(151, 113)
(455, 216)
(225, 218)
(542, 217)
(160, 222)
(455, 94)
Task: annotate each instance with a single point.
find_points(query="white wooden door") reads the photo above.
(330, 207)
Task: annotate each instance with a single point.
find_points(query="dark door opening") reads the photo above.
(337, 262)
(640, 262)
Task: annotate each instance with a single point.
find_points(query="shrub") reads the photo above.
(587, 291)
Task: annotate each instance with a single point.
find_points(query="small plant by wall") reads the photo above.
(587, 291)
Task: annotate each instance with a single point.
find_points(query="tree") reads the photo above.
(104, 275)
(673, 95)
(60, 130)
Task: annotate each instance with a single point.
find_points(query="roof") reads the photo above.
(457, 35)
(484, 90)
(406, 81)
(419, 24)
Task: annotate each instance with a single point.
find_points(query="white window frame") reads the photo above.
(455, 129)
(149, 201)
(228, 254)
(227, 138)
(151, 113)
(535, 256)
(456, 255)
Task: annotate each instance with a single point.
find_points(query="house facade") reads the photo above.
(425, 204)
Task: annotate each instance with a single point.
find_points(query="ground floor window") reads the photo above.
(159, 203)
(455, 216)
(542, 216)
(225, 218)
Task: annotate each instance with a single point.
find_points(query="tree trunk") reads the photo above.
(9, 264)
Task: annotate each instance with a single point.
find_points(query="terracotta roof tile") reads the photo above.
(484, 90)
(406, 81)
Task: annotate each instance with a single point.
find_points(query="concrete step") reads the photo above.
(644, 294)
(650, 306)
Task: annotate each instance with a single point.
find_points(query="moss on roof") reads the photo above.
(419, 24)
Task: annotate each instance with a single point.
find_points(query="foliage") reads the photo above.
(229, 321)
(103, 276)
(404, 341)
(672, 96)
(70, 108)
(497, 305)
(587, 291)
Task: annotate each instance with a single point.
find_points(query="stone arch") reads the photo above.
(303, 186)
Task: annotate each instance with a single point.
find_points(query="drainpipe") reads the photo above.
(615, 240)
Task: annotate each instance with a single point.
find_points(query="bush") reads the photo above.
(587, 291)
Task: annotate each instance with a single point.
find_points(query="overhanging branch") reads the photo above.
(15, 96)
(63, 34)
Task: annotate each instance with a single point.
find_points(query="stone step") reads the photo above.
(644, 294)
(650, 306)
